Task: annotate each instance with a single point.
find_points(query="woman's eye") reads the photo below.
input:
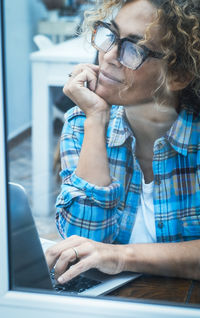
(136, 50)
(110, 37)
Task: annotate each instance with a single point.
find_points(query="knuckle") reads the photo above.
(89, 245)
(68, 90)
(51, 252)
(85, 71)
(64, 255)
(79, 67)
(69, 275)
(96, 255)
(65, 89)
(83, 239)
(78, 239)
(74, 237)
(76, 68)
(80, 267)
(94, 261)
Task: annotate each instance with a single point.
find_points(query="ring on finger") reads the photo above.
(76, 253)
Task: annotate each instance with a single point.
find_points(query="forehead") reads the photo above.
(134, 17)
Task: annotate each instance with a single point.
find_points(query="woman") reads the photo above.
(131, 173)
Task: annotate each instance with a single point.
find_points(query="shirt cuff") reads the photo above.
(106, 197)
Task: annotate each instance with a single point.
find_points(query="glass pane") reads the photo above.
(40, 40)
(41, 49)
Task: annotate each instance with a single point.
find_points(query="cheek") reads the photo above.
(109, 93)
(100, 57)
(148, 78)
(142, 84)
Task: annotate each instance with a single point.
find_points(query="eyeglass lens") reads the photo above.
(104, 38)
(130, 55)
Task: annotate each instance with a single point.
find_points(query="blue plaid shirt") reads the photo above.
(107, 214)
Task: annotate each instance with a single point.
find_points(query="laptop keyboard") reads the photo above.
(74, 286)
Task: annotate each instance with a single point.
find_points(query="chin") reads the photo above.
(110, 95)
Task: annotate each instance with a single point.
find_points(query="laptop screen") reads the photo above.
(28, 266)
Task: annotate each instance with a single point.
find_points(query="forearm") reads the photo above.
(167, 259)
(93, 162)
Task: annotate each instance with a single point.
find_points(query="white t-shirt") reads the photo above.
(144, 230)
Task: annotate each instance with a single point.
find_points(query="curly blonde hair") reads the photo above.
(180, 25)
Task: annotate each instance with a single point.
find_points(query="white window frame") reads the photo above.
(28, 304)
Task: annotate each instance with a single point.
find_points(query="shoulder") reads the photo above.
(190, 128)
(195, 125)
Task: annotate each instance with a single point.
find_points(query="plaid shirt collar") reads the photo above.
(118, 129)
(178, 135)
(180, 132)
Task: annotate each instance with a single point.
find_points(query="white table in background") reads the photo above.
(50, 68)
(60, 29)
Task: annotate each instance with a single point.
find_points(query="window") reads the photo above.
(17, 30)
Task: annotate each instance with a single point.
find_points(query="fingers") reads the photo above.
(107, 258)
(85, 251)
(65, 253)
(53, 253)
(77, 269)
(75, 87)
(85, 96)
(87, 75)
(81, 67)
(78, 80)
(64, 262)
(91, 68)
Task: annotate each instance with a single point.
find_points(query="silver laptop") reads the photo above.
(28, 264)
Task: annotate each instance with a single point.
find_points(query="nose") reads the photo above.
(111, 56)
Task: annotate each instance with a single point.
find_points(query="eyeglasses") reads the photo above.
(129, 53)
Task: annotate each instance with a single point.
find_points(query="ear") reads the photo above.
(177, 82)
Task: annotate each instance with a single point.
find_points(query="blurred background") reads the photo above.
(42, 44)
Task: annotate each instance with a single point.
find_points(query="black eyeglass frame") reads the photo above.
(119, 42)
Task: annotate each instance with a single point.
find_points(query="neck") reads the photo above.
(150, 121)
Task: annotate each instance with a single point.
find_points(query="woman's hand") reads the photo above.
(107, 258)
(84, 96)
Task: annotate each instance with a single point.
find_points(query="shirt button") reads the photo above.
(157, 180)
(160, 225)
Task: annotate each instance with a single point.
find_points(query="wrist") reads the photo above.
(130, 258)
(96, 122)
(98, 118)
(123, 258)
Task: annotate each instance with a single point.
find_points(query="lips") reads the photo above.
(109, 77)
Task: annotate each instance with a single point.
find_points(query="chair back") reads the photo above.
(42, 42)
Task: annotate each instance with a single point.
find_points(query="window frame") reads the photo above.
(33, 304)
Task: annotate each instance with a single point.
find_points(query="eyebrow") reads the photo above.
(130, 36)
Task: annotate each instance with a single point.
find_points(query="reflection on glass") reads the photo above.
(36, 70)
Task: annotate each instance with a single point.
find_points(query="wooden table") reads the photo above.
(163, 289)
